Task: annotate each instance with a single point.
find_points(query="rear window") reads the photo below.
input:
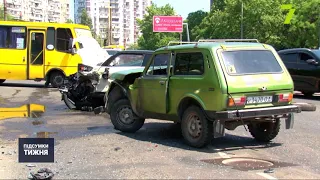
(250, 62)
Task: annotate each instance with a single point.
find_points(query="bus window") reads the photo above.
(63, 37)
(12, 37)
(50, 36)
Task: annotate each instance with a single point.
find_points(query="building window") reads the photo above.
(12, 37)
(62, 39)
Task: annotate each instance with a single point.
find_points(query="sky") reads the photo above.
(182, 7)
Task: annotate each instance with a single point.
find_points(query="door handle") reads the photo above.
(162, 82)
(23, 59)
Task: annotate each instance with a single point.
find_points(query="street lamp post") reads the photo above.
(188, 36)
(241, 19)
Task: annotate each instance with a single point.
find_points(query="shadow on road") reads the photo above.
(306, 97)
(169, 134)
(24, 85)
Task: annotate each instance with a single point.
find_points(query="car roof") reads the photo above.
(210, 45)
(294, 50)
(136, 51)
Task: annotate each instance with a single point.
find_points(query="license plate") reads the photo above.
(259, 99)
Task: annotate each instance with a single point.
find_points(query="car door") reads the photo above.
(153, 85)
(307, 74)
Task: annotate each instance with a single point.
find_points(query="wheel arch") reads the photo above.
(187, 101)
(116, 95)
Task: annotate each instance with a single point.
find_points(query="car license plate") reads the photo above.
(259, 99)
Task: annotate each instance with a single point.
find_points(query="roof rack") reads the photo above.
(228, 40)
(180, 42)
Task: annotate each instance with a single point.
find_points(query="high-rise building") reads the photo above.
(211, 3)
(124, 28)
(39, 10)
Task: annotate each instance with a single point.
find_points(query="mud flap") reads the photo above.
(218, 129)
(290, 121)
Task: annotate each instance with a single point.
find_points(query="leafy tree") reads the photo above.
(263, 20)
(153, 40)
(194, 19)
(85, 19)
(69, 21)
(9, 17)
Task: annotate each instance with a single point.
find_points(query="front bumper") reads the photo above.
(254, 113)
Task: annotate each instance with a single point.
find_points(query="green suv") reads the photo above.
(206, 87)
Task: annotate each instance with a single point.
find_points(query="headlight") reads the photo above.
(82, 67)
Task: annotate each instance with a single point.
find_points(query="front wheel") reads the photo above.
(264, 131)
(56, 79)
(123, 118)
(196, 129)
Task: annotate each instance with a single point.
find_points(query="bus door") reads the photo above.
(36, 54)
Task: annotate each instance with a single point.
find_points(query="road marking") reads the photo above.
(267, 176)
(223, 155)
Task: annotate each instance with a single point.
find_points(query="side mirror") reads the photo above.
(312, 61)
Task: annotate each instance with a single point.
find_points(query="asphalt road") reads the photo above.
(87, 146)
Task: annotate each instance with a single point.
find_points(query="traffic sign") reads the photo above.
(167, 24)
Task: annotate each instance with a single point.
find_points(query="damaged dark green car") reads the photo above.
(206, 87)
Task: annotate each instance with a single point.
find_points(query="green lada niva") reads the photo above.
(206, 87)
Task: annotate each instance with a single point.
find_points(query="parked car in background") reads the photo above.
(303, 65)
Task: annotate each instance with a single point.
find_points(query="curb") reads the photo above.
(306, 106)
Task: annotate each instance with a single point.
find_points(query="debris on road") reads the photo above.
(270, 170)
(43, 174)
(31, 165)
(117, 148)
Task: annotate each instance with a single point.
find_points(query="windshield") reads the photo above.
(125, 60)
(250, 62)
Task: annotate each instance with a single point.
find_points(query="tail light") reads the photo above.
(82, 67)
(285, 97)
(237, 101)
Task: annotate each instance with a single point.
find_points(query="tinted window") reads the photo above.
(63, 37)
(250, 62)
(50, 36)
(146, 59)
(159, 65)
(12, 37)
(304, 57)
(189, 64)
(289, 58)
(128, 60)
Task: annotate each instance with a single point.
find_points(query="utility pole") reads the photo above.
(110, 24)
(4, 10)
(241, 19)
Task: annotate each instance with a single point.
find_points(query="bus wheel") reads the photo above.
(2, 81)
(56, 79)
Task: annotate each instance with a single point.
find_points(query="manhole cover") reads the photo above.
(247, 163)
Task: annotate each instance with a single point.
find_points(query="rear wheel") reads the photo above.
(196, 128)
(265, 131)
(123, 118)
(2, 81)
(56, 79)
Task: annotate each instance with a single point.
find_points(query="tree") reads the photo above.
(85, 19)
(152, 40)
(9, 16)
(69, 21)
(194, 19)
(263, 20)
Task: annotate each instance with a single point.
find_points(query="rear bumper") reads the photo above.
(253, 113)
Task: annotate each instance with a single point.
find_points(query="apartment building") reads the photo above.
(39, 10)
(124, 28)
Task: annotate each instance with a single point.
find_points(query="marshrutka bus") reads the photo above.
(45, 51)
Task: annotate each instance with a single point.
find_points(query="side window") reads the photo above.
(12, 37)
(63, 37)
(50, 36)
(189, 64)
(289, 58)
(304, 57)
(159, 65)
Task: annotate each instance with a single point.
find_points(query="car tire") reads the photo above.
(196, 129)
(123, 118)
(56, 79)
(2, 81)
(264, 131)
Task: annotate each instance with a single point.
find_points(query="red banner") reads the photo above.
(167, 24)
